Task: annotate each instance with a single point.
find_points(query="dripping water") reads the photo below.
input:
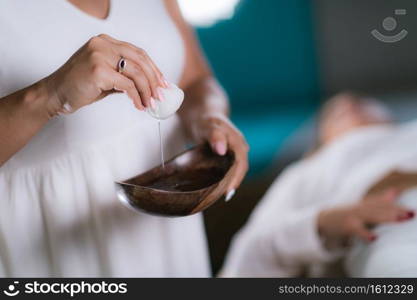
(161, 146)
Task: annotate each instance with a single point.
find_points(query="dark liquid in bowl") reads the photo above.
(186, 181)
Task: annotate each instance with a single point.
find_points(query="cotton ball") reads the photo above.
(163, 109)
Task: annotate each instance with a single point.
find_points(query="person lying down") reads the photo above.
(346, 209)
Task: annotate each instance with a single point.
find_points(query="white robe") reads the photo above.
(281, 238)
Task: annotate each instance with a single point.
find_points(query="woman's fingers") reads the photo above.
(364, 233)
(139, 67)
(146, 69)
(390, 195)
(238, 145)
(375, 210)
(353, 225)
(92, 73)
(221, 137)
(135, 73)
(240, 172)
(141, 58)
(143, 53)
(121, 83)
(161, 78)
(240, 148)
(383, 211)
(406, 215)
(218, 141)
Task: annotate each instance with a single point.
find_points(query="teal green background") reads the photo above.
(265, 58)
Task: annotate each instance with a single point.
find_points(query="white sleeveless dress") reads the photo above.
(59, 215)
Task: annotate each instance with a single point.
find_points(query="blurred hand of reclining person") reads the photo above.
(356, 220)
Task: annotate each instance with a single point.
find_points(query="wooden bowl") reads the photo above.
(190, 183)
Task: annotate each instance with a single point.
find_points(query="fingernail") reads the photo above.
(166, 83)
(407, 216)
(161, 95)
(67, 108)
(141, 108)
(153, 104)
(230, 195)
(372, 238)
(220, 148)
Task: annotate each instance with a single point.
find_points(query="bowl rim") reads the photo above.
(173, 158)
(165, 191)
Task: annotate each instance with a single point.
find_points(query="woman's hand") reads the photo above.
(205, 107)
(356, 219)
(222, 135)
(92, 73)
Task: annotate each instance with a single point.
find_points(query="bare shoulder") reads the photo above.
(174, 11)
(196, 66)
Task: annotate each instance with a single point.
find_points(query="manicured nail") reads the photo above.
(407, 216)
(166, 83)
(153, 104)
(220, 148)
(67, 108)
(161, 95)
(230, 195)
(141, 108)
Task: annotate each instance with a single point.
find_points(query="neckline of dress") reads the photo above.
(87, 16)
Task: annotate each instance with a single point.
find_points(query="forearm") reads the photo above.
(204, 98)
(22, 115)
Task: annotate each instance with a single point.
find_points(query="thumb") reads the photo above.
(218, 142)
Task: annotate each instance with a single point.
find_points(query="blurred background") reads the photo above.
(280, 59)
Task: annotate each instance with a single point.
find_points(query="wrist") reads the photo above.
(36, 100)
(52, 105)
(328, 225)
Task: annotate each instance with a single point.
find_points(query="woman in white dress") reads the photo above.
(71, 125)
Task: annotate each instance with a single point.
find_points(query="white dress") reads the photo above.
(59, 215)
